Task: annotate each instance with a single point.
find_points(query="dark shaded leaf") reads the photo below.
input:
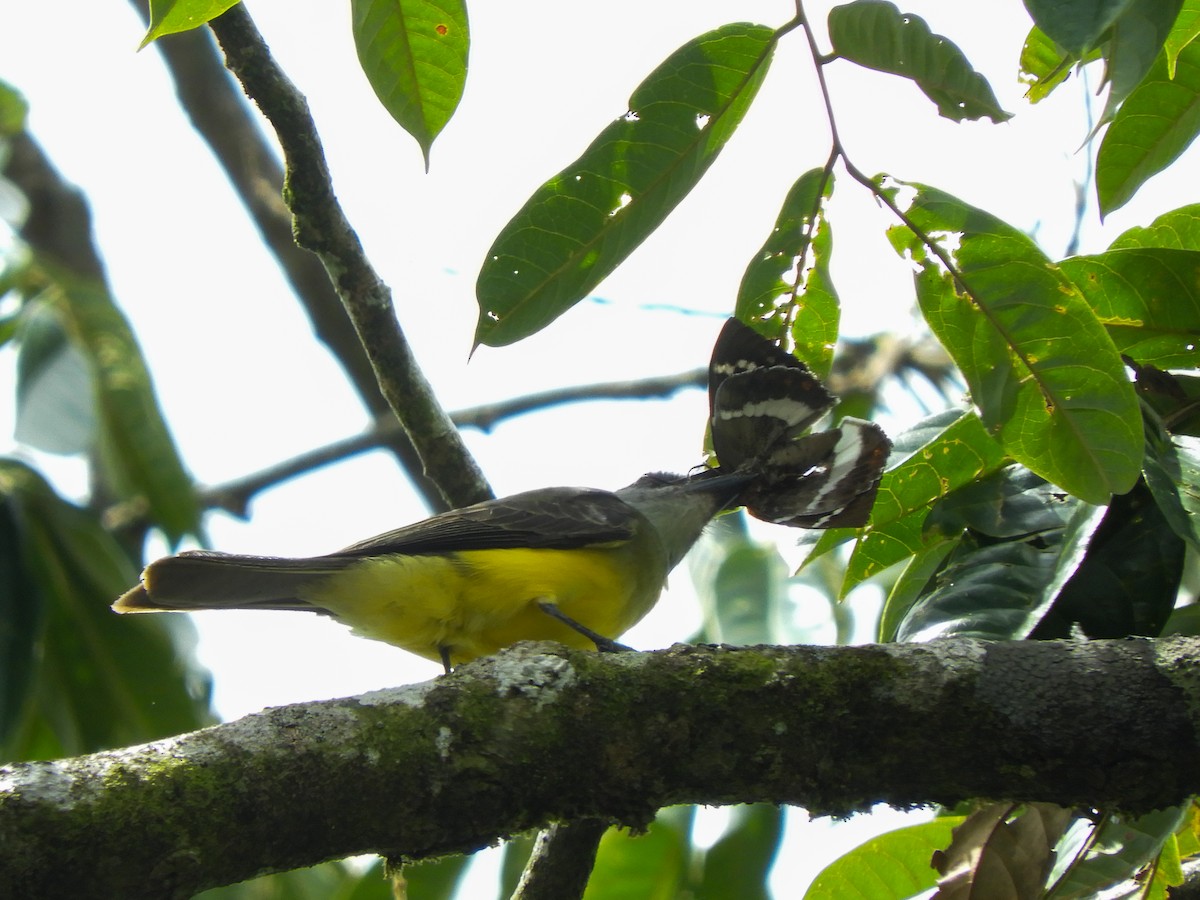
(414, 54)
(788, 281)
(1045, 375)
(1173, 476)
(875, 34)
(22, 615)
(1076, 25)
(1001, 586)
(1147, 299)
(102, 680)
(1128, 581)
(1135, 40)
(1155, 124)
(1010, 503)
(584, 221)
(911, 586)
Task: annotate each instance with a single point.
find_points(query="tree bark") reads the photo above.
(541, 734)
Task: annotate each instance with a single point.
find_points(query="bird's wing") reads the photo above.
(560, 518)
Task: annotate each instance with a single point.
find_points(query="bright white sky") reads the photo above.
(244, 385)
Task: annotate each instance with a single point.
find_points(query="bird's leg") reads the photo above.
(603, 644)
(444, 653)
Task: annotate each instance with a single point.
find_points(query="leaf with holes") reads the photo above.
(585, 220)
(792, 271)
(414, 54)
(1045, 375)
(875, 34)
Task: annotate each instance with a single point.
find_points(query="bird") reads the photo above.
(576, 565)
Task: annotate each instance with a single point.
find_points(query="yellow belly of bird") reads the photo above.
(475, 602)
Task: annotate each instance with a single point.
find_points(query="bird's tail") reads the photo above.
(204, 580)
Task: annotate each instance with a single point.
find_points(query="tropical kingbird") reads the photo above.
(575, 565)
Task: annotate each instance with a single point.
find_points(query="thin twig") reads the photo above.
(320, 226)
(235, 496)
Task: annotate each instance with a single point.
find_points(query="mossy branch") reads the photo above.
(541, 734)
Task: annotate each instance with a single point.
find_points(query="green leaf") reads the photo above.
(955, 450)
(742, 585)
(1127, 583)
(1043, 372)
(999, 582)
(102, 680)
(1157, 122)
(1043, 66)
(414, 54)
(1186, 30)
(908, 589)
(1135, 40)
(1121, 848)
(22, 614)
(136, 449)
(1076, 25)
(1148, 300)
(1010, 503)
(517, 851)
(1173, 476)
(328, 881)
(436, 879)
(892, 865)
(1178, 229)
(584, 221)
(13, 109)
(55, 411)
(875, 34)
(653, 865)
(739, 863)
(173, 16)
(788, 280)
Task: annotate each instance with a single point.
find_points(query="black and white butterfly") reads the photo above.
(762, 400)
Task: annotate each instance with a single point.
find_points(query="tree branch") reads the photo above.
(220, 115)
(499, 747)
(319, 225)
(235, 496)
